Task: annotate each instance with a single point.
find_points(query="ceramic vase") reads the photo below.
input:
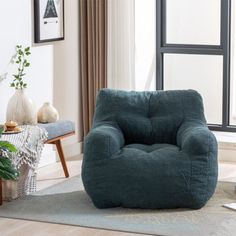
(21, 109)
(47, 114)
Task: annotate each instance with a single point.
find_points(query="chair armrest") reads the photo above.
(196, 138)
(102, 142)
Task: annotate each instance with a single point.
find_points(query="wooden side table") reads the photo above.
(29, 144)
(56, 132)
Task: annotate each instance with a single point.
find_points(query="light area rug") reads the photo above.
(67, 203)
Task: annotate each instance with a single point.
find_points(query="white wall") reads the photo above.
(66, 75)
(16, 24)
(16, 28)
(53, 75)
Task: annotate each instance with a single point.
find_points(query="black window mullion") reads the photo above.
(159, 42)
(225, 41)
(192, 46)
(189, 50)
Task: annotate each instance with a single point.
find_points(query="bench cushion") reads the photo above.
(59, 128)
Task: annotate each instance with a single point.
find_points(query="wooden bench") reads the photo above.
(56, 132)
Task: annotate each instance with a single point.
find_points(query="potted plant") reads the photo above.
(7, 170)
(20, 108)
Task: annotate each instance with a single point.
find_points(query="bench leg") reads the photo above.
(62, 157)
(1, 200)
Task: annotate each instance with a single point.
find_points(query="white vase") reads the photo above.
(21, 109)
(47, 114)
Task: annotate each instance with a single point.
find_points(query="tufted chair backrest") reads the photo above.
(148, 117)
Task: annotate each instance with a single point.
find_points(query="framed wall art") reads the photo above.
(49, 20)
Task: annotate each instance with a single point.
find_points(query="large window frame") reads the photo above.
(162, 47)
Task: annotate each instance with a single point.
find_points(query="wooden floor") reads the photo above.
(50, 175)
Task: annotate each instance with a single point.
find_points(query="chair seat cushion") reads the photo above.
(150, 148)
(145, 176)
(148, 176)
(59, 128)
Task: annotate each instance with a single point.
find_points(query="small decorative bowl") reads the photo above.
(10, 126)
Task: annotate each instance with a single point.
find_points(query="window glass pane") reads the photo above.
(145, 45)
(193, 21)
(233, 69)
(203, 73)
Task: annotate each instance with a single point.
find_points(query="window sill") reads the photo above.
(226, 146)
(226, 139)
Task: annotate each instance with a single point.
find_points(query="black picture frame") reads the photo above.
(38, 27)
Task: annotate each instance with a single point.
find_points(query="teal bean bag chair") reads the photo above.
(150, 150)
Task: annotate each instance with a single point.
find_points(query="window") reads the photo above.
(193, 52)
(199, 72)
(193, 22)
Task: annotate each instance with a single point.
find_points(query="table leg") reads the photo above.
(1, 200)
(62, 157)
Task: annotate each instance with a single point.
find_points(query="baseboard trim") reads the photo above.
(48, 156)
(72, 150)
(227, 155)
(227, 150)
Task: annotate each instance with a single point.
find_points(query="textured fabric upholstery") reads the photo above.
(150, 150)
(58, 128)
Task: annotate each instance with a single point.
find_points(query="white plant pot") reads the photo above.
(21, 109)
(47, 114)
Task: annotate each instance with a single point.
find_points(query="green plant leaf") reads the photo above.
(1, 129)
(7, 171)
(5, 161)
(7, 146)
(8, 175)
(27, 49)
(16, 76)
(21, 63)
